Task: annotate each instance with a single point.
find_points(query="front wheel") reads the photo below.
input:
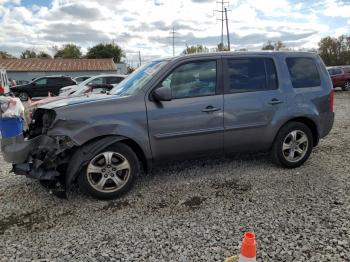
(109, 173)
(293, 145)
(23, 96)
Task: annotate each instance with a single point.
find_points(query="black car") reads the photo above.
(40, 87)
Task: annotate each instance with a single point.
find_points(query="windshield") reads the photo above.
(137, 79)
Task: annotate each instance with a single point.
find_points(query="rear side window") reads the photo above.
(251, 74)
(114, 80)
(303, 72)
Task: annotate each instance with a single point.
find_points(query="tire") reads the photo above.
(346, 86)
(101, 178)
(293, 137)
(23, 96)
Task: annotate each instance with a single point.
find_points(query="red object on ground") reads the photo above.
(248, 248)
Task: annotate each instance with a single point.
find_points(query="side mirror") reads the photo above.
(162, 94)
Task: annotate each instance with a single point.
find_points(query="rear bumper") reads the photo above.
(326, 123)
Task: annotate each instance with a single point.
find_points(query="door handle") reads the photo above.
(275, 101)
(209, 109)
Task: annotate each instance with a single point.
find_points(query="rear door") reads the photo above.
(54, 84)
(191, 124)
(251, 100)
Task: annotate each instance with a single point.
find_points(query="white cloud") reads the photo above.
(145, 24)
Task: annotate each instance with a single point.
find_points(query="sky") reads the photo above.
(145, 25)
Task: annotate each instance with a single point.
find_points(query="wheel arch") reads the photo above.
(309, 123)
(84, 152)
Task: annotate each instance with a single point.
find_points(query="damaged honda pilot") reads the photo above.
(184, 107)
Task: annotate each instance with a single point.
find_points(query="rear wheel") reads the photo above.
(293, 145)
(346, 86)
(23, 96)
(110, 173)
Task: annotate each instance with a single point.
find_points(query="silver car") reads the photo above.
(183, 107)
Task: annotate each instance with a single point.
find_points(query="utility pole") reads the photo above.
(228, 33)
(173, 36)
(139, 58)
(222, 19)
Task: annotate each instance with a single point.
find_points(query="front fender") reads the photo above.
(86, 152)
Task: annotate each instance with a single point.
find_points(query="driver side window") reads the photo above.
(42, 81)
(192, 80)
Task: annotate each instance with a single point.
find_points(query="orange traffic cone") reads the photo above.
(248, 248)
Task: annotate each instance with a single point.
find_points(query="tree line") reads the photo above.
(74, 51)
(333, 50)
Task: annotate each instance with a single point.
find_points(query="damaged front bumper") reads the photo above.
(36, 158)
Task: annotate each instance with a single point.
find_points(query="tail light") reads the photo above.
(331, 101)
(2, 90)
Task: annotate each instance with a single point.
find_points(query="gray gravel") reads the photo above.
(193, 211)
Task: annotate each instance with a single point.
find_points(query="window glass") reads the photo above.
(338, 71)
(346, 69)
(41, 81)
(96, 81)
(251, 74)
(192, 80)
(303, 72)
(53, 81)
(330, 71)
(113, 80)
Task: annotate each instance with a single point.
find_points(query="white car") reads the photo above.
(99, 80)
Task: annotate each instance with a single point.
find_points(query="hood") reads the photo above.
(74, 100)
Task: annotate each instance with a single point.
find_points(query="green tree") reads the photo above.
(106, 51)
(335, 51)
(222, 47)
(28, 54)
(69, 51)
(195, 49)
(43, 54)
(130, 69)
(279, 45)
(4, 54)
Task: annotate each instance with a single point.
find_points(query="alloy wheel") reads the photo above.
(347, 86)
(295, 146)
(108, 172)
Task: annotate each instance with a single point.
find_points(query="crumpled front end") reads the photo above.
(36, 154)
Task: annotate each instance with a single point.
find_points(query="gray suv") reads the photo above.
(183, 107)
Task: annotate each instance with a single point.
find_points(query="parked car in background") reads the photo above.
(80, 79)
(40, 87)
(101, 81)
(4, 82)
(340, 77)
(83, 90)
(178, 108)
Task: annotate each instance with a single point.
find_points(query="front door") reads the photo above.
(40, 87)
(251, 100)
(191, 124)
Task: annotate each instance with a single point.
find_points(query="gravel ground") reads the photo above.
(193, 211)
